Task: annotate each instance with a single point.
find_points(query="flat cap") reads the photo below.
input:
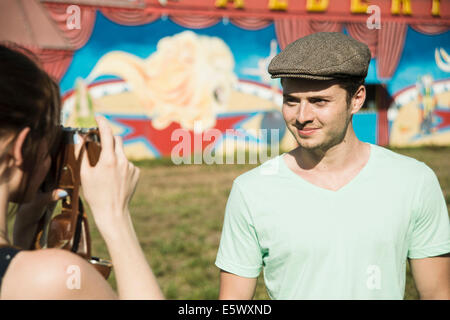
(322, 56)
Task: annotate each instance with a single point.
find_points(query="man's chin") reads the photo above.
(308, 143)
(315, 145)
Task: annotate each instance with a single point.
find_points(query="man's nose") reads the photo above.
(305, 113)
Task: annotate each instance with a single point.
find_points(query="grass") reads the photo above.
(178, 213)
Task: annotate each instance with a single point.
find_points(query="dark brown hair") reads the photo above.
(29, 97)
(351, 86)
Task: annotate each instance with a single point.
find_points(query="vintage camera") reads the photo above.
(69, 229)
(63, 151)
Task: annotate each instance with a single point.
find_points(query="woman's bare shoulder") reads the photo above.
(53, 274)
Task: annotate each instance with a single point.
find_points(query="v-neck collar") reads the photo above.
(348, 185)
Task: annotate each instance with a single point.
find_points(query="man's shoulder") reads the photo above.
(392, 161)
(264, 173)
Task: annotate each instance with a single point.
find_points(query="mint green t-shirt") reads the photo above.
(313, 243)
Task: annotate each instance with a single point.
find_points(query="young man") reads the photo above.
(338, 218)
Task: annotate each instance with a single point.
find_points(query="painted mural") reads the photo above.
(420, 114)
(152, 79)
(172, 78)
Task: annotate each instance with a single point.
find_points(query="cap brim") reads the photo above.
(302, 76)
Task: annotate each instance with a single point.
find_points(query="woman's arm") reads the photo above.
(108, 188)
(135, 279)
(46, 274)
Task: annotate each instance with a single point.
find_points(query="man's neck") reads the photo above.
(335, 158)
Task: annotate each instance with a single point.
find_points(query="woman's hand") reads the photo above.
(108, 188)
(29, 214)
(110, 184)
(32, 211)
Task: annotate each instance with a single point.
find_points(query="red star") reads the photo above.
(161, 139)
(444, 115)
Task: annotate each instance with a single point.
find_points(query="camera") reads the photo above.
(69, 229)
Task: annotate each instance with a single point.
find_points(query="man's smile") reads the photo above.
(306, 131)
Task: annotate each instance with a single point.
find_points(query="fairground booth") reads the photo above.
(153, 67)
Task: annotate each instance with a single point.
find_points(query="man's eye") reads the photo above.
(319, 102)
(289, 101)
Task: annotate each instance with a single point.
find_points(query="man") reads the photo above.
(339, 217)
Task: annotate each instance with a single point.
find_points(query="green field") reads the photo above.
(178, 214)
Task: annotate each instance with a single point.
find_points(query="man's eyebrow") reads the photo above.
(325, 97)
(287, 95)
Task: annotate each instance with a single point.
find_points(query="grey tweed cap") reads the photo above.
(322, 56)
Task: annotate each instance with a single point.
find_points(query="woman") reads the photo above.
(30, 110)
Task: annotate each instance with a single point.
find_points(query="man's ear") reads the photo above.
(16, 151)
(358, 99)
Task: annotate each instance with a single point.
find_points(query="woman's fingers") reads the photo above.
(59, 194)
(85, 164)
(109, 185)
(41, 200)
(78, 141)
(118, 147)
(112, 148)
(136, 174)
(106, 137)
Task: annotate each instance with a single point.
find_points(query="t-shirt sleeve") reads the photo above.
(239, 251)
(431, 230)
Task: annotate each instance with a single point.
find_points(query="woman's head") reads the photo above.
(29, 98)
